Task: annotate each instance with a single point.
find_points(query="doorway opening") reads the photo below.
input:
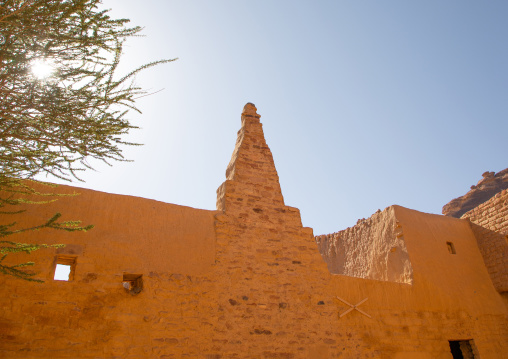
(462, 349)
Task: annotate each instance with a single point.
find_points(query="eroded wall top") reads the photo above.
(372, 249)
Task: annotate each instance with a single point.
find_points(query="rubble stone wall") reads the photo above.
(489, 222)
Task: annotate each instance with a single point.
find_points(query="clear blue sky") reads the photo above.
(364, 104)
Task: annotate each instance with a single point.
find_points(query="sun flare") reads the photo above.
(42, 69)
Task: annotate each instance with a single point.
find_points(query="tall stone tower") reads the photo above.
(268, 265)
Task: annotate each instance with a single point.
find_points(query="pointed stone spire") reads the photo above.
(251, 177)
(263, 255)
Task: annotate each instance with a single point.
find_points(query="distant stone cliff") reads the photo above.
(486, 188)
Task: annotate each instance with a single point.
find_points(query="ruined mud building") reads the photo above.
(158, 280)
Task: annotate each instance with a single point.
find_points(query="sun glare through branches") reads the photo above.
(42, 69)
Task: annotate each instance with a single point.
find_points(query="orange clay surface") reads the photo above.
(247, 280)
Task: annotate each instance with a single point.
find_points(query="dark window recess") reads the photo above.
(133, 283)
(64, 268)
(451, 247)
(462, 349)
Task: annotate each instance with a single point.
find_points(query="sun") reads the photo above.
(42, 69)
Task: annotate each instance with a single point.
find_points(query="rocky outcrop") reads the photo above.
(491, 184)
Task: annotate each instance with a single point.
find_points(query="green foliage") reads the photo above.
(56, 125)
(14, 197)
(9, 247)
(19, 270)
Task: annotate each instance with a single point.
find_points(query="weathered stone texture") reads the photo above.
(488, 186)
(247, 280)
(489, 222)
(267, 301)
(373, 249)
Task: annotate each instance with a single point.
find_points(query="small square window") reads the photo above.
(133, 283)
(451, 247)
(64, 268)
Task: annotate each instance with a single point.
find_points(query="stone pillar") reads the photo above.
(268, 266)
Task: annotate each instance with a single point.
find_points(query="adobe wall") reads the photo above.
(265, 292)
(489, 222)
(373, 249)
(93, 315)
(130, 233)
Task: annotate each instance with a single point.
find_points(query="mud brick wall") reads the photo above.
(490, 224)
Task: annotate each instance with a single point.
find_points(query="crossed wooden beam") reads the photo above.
(353, 307)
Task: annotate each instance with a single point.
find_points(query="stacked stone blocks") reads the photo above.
(489, 222)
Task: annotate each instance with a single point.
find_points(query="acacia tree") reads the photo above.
(57, 124)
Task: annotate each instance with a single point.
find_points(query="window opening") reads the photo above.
(64, 268)
(451, 247)
(133, 283)
(462, 349)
